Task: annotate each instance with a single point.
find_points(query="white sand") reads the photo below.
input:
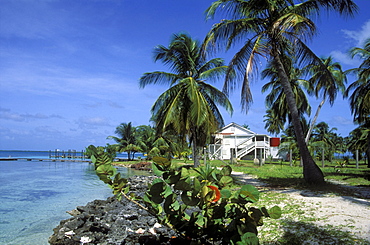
(344, 213)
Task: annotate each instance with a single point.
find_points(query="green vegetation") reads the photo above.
(193, 201)
(200, 206)
(296, 225)
(188, 108)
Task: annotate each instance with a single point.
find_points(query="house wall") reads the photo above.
(231, 136)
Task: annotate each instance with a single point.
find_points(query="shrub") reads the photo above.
(195, 202)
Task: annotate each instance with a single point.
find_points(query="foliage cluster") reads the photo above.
(201, 207)
(198, 206)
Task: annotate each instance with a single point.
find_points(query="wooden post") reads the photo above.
(205, 157)
(290, 157)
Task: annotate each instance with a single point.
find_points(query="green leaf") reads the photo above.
(226, 171)
(157, 199)
(106, 169)
(248, 238)
(173, 179)
(189, 200)
(196, 186)
(275, 212)
(184, 173)
(168, 204)
(156, 189)
(167, 191)
(225, 193)
(182, 185)
(225, 181)
(249, 193)
(162, 161)
(156, 171)
(93, 159)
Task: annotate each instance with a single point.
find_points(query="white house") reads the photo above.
(235, 141)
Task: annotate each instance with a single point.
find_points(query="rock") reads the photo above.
(73, 212)
(111, 222)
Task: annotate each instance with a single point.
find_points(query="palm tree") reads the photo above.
(127, 137)
(272, 29)
(274, 123)
(358, 141)
(324, 135)
(145, 137)
(288, 146)
(360, 97)
(189, 106)
(326, 82)
(276, 99)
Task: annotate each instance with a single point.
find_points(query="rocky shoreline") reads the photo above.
(111, 222)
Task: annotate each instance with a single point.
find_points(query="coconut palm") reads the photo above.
(189, 106)
(276, 99)
(272, 29)
(326, 82)
(358, 141)
(324, 135)
(126, 142)
(360, 97)
(145, 137)
(274, 123)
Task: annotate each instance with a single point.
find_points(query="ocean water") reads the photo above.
(35, 195)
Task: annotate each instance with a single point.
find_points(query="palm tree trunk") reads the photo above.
(195, 148)
(311, 172)
(195, 154)
(368, 150)
(314, 120)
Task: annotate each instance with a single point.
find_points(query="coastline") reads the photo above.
(113, 222)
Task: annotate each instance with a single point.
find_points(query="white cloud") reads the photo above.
(7, 114)
(358, 38)
(93, 122)
(360, 35)
(342, 121)
(344, 58)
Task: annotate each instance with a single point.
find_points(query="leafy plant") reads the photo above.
(196, 203)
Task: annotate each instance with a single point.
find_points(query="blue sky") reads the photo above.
(69, 69)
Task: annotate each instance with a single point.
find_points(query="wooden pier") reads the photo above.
(45, 159)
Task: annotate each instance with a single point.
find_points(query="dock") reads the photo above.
(45, 159)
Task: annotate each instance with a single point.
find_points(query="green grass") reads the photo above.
(283, 175)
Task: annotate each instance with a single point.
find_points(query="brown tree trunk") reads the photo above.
(368, 150)
(195, 150)
(311, 172)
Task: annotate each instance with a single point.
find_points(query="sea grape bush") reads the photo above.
(196, 202)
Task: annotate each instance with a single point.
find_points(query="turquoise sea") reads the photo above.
(35, 195)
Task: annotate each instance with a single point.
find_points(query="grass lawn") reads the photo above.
(284, 176)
